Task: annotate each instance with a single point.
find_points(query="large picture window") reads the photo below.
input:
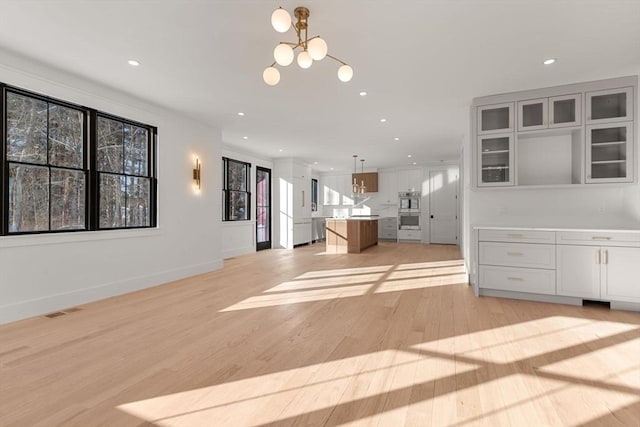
(236, 196)
(57, 176)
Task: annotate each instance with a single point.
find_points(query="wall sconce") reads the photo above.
(196, 173)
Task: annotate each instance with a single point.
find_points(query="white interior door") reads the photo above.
(443, 206)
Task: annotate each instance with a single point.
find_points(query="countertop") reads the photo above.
(632, 227)
(357, 218)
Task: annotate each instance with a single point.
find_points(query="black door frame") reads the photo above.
(264, 245)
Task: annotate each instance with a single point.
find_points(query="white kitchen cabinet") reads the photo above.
(388, 228)
(609, 153)
(292, 200)
(578, 272)
(597, 265)
(496, 118)
(410, 180)
(495, 160)
(551, 112)
(599, 272)
(388, 188)
(572, 135)
(620, 274)
(611, 105)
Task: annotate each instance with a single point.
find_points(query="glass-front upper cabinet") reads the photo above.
(495, 160)
(565, 110)
(553, 112)
(609, 153)
(612, 105)
(496, 118)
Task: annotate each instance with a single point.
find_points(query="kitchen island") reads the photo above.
(351, 235)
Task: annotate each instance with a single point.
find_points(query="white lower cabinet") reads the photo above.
(602, 265)
(620, 278)
(578, 271)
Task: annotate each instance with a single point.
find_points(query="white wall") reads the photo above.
(239, 237)
(44, 273)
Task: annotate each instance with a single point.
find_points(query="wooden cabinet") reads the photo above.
(551, 112)
(351, 235)
(369, 179)
(611, 105)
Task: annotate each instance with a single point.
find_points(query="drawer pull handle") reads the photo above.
(515, 279)
(514, 253)
(605, 256)
(600, 238)
(515, 235)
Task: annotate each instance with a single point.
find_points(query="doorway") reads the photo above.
(263, 208)
(443, 206)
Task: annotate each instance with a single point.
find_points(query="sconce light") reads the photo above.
(196, 173)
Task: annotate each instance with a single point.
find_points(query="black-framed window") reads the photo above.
(314, 195)
(46, 167)
(56, 166)
(124, 177)
(236, 197)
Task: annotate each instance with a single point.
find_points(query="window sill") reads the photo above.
(80, 236)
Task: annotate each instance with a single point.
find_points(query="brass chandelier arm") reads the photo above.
(336, 59)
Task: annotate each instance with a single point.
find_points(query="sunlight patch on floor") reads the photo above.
(327, 282)
(295, 392)
(324, 285)
(273, 299)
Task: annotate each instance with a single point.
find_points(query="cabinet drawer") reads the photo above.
(410, 234)
(389, 235)
(517, 236)
(605, 238)
(514, 279)
(518, 255)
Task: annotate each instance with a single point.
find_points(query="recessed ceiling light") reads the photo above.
(383, 120)
(315, 163)
(549, 61)
(409, 155)
(396, 139)
(414, 163)
(331, 168)
(245, 137)
(363, 93)
(241, 113)
(281, 150)
(133, 62)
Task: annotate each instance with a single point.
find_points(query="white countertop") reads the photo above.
(634, 228)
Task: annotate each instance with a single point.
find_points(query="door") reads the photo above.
(565, 110)
(443, 206)
(612, 105)
(578, 271)
(263, 208)
(609, 152)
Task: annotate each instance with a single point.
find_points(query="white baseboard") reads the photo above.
(50, 303)
(230, 253)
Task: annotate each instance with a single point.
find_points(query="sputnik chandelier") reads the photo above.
(311, 49)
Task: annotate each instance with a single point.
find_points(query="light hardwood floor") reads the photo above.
(391, 337)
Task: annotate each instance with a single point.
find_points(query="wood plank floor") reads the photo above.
(389, 337)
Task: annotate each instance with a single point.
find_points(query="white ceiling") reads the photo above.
(421, 62)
